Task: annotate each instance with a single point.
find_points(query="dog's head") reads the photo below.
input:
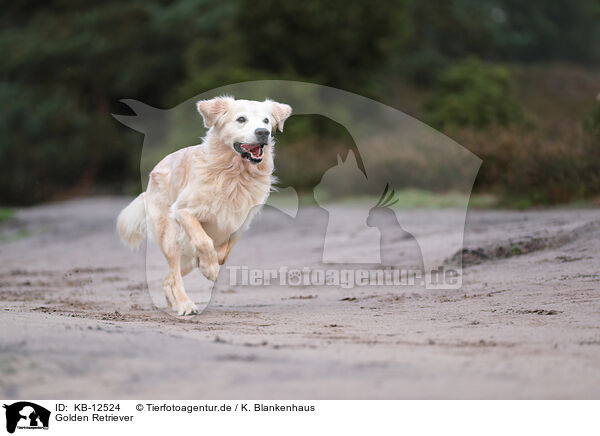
(244, 125)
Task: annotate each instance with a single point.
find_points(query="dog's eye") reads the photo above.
(241, 119)
(266, 121)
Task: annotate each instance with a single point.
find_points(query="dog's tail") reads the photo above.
(131, 222)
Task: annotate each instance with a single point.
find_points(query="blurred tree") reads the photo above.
(65, 64)
(336, 42)
(547, 30)
(443, 31)
(454, 28)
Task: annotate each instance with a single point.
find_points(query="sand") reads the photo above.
(77, 319)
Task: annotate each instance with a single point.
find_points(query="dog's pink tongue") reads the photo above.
(255, 150)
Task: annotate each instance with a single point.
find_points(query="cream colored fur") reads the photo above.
(131, 223)
(201, 198)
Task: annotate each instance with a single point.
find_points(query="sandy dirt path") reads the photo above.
(76, 319)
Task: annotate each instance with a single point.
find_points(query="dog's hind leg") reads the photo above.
(169, 292)
(166, 232)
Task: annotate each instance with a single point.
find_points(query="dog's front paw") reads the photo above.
(209, 266)
(187, 308)
(210, 271)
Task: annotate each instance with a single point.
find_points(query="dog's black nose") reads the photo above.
(262, 134)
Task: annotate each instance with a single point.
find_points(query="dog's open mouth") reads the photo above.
(252, 152)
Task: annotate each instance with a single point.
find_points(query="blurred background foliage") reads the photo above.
(472, 94)
(515, 82)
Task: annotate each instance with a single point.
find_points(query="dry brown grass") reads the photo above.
(548, 159)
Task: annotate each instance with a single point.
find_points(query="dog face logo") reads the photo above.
(26, 415)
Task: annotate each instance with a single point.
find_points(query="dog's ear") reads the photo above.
(280, 113)
(211, 110)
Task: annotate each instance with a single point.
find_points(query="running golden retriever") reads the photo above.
(201, 198)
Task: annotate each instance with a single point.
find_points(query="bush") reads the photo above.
(474, 94)
(591, 122)
(591, 149)
(526, 167)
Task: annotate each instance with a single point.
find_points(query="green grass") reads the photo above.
(418, 199)
(6, 213)
(10, 237)
(521, 203)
